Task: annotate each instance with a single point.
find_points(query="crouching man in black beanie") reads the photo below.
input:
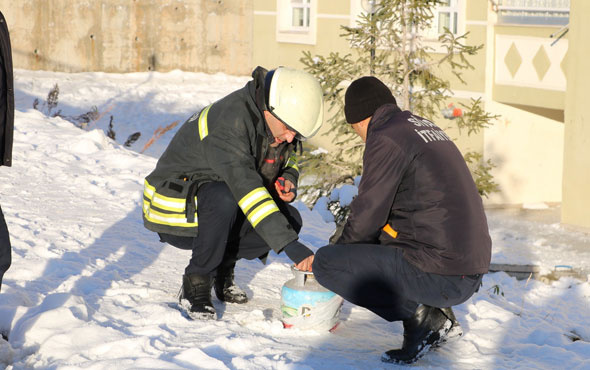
(416, 241)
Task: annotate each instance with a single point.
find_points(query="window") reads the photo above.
(300, 13)
(296, 21)
(446, 15)
(534, 12)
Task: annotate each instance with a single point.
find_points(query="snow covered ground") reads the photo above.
(89, 287)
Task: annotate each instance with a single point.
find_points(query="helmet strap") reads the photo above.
(267, 81)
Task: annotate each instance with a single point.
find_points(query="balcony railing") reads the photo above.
(534, 12)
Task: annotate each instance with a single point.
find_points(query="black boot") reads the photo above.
(196, 289)
(456, 331)
(226, 289)
(428, 327)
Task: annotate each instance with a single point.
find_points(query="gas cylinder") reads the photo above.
(305, 304)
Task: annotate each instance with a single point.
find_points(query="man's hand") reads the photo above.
(299, 252)
(285, 189)
(305, 265)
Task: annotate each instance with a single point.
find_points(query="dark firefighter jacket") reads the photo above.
(417, 188)
(6, 96)
(227, 141)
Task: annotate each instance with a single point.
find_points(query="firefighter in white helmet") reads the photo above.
(222, 187)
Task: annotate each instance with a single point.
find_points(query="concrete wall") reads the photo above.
(131, 35)
(576, 166)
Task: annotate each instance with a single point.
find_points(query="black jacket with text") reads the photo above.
(416, 181)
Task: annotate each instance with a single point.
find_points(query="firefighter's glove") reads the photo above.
(286, 189)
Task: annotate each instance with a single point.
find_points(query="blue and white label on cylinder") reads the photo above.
(305, 309)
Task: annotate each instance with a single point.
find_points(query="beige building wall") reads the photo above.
(131, 35)
(525, 86)
(576, 170)
(270, 53)
(518, 74)
(528, 152)
(271, 49)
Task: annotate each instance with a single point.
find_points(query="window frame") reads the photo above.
(456, 26)
(305, 6)
(287, 32)
(428, 37)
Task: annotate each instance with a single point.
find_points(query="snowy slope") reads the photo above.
(91, 288)
(138, 102)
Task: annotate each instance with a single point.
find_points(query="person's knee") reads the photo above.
(181, 242)
(321, 261)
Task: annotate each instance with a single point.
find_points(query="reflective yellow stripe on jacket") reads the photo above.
(203, 128)
(164, 210)
(292, 162)
(257, 205)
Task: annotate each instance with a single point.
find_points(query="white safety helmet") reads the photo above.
(296, 98)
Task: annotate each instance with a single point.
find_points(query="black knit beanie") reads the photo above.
(364, 96)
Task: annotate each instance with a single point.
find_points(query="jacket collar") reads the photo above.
(382, 115)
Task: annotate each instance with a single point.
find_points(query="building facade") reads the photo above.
(521, 74)
(530, 70)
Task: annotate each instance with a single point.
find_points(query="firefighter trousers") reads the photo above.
(224, 235)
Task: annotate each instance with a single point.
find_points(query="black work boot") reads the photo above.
(427, 328)
(456, 331)
(226, 288)
(196, 289)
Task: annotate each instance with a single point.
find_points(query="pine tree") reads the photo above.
(387, 42)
